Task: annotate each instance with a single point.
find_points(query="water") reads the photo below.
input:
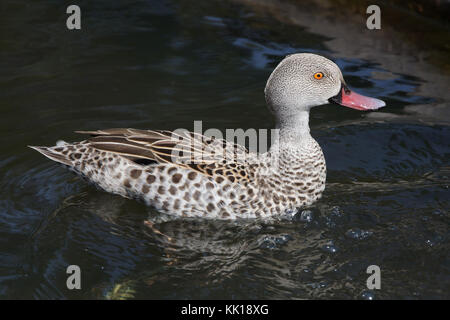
(163, 64)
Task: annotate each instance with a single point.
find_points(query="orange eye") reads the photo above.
(318, 75)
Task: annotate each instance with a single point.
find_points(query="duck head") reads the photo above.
(305, 80)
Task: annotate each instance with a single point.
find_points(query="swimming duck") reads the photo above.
(190, 175)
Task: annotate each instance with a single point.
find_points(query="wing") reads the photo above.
(211, 157)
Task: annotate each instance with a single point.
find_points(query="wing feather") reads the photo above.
(211, 157)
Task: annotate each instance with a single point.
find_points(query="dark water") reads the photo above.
(162, 65)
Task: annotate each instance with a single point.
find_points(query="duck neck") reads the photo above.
(294, 129)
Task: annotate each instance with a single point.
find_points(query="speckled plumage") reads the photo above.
(190, 175)
(250, 186)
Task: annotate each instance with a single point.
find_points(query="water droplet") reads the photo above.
(358, 234)
(330, 248)
(306, 216)
(368, 295)
(283, 239)
(271, 242)
(290, 211)
(336, 211)
(289, 214)
(318, 285)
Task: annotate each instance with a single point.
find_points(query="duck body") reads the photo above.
(265, 185)
(190, 175)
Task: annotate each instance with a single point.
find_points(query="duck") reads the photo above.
(187, 174)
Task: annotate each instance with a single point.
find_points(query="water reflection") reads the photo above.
(164, 64)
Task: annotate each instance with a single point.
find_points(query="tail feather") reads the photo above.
(53, 155)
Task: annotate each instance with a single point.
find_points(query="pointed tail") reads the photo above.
(54, 155)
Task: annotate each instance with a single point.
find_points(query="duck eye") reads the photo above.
(318, 75)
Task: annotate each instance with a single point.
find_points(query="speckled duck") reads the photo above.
(142, 163)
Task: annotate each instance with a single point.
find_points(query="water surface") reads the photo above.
(162, 65)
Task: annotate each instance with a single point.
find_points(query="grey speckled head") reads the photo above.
(304, 80)
(292, 86)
